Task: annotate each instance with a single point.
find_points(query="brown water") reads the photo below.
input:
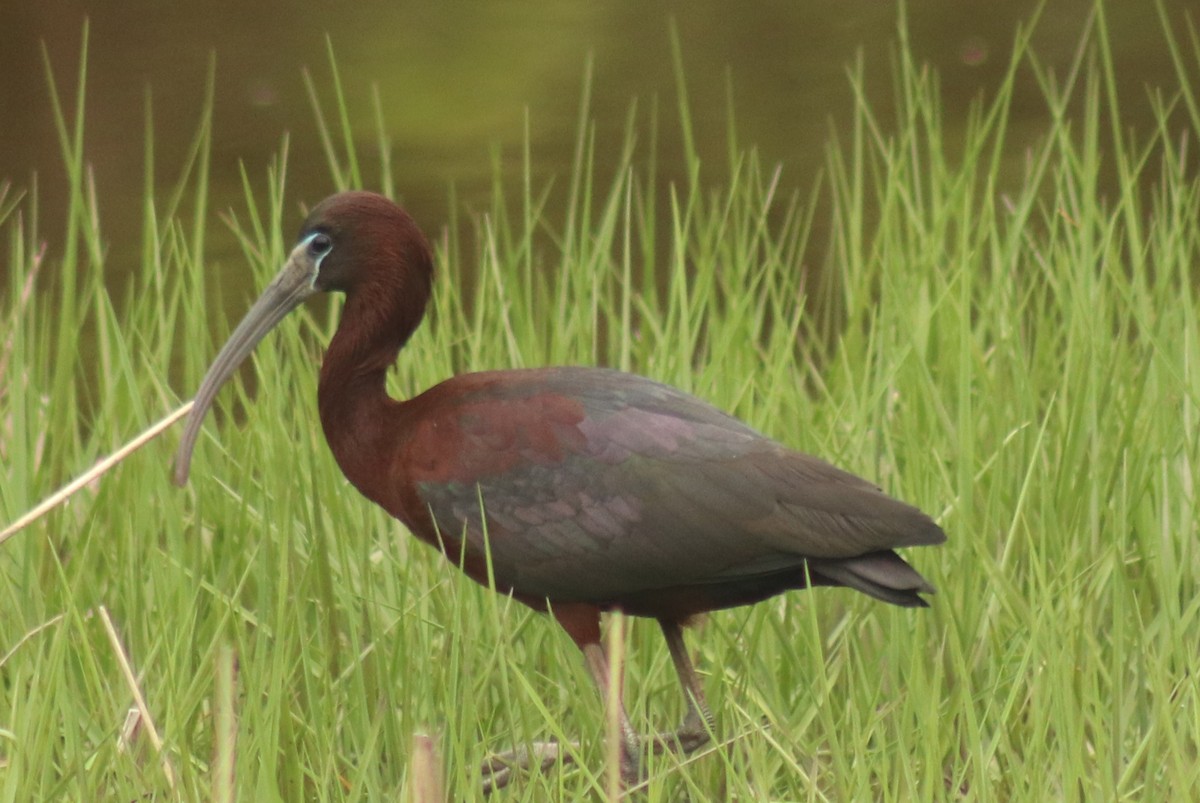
(457, 80)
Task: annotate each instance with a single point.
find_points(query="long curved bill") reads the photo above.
(286, 291)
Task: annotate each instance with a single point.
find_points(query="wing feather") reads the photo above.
(647, 487)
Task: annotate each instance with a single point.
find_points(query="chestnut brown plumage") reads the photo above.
(596, 489)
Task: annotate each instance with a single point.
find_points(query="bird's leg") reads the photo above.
(698, 723)
(498, 769)
(582, 623)
(631, 745)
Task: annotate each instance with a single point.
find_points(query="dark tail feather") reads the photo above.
(882, 575)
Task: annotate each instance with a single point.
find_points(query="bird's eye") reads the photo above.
(319, 245)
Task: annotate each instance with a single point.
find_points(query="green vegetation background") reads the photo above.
(988, 332)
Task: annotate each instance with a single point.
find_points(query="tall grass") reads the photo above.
(1013, 350)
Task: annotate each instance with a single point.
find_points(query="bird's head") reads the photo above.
(349, 242)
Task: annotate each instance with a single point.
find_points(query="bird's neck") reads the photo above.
(356, 412)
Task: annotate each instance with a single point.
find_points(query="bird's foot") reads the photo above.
(498, 768)
(691, 736)
(681, 742)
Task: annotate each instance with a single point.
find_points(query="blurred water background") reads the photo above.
(460, 81)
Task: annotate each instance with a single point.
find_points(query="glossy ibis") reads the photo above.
(601, 490)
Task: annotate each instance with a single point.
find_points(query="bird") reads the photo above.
(576, 490)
